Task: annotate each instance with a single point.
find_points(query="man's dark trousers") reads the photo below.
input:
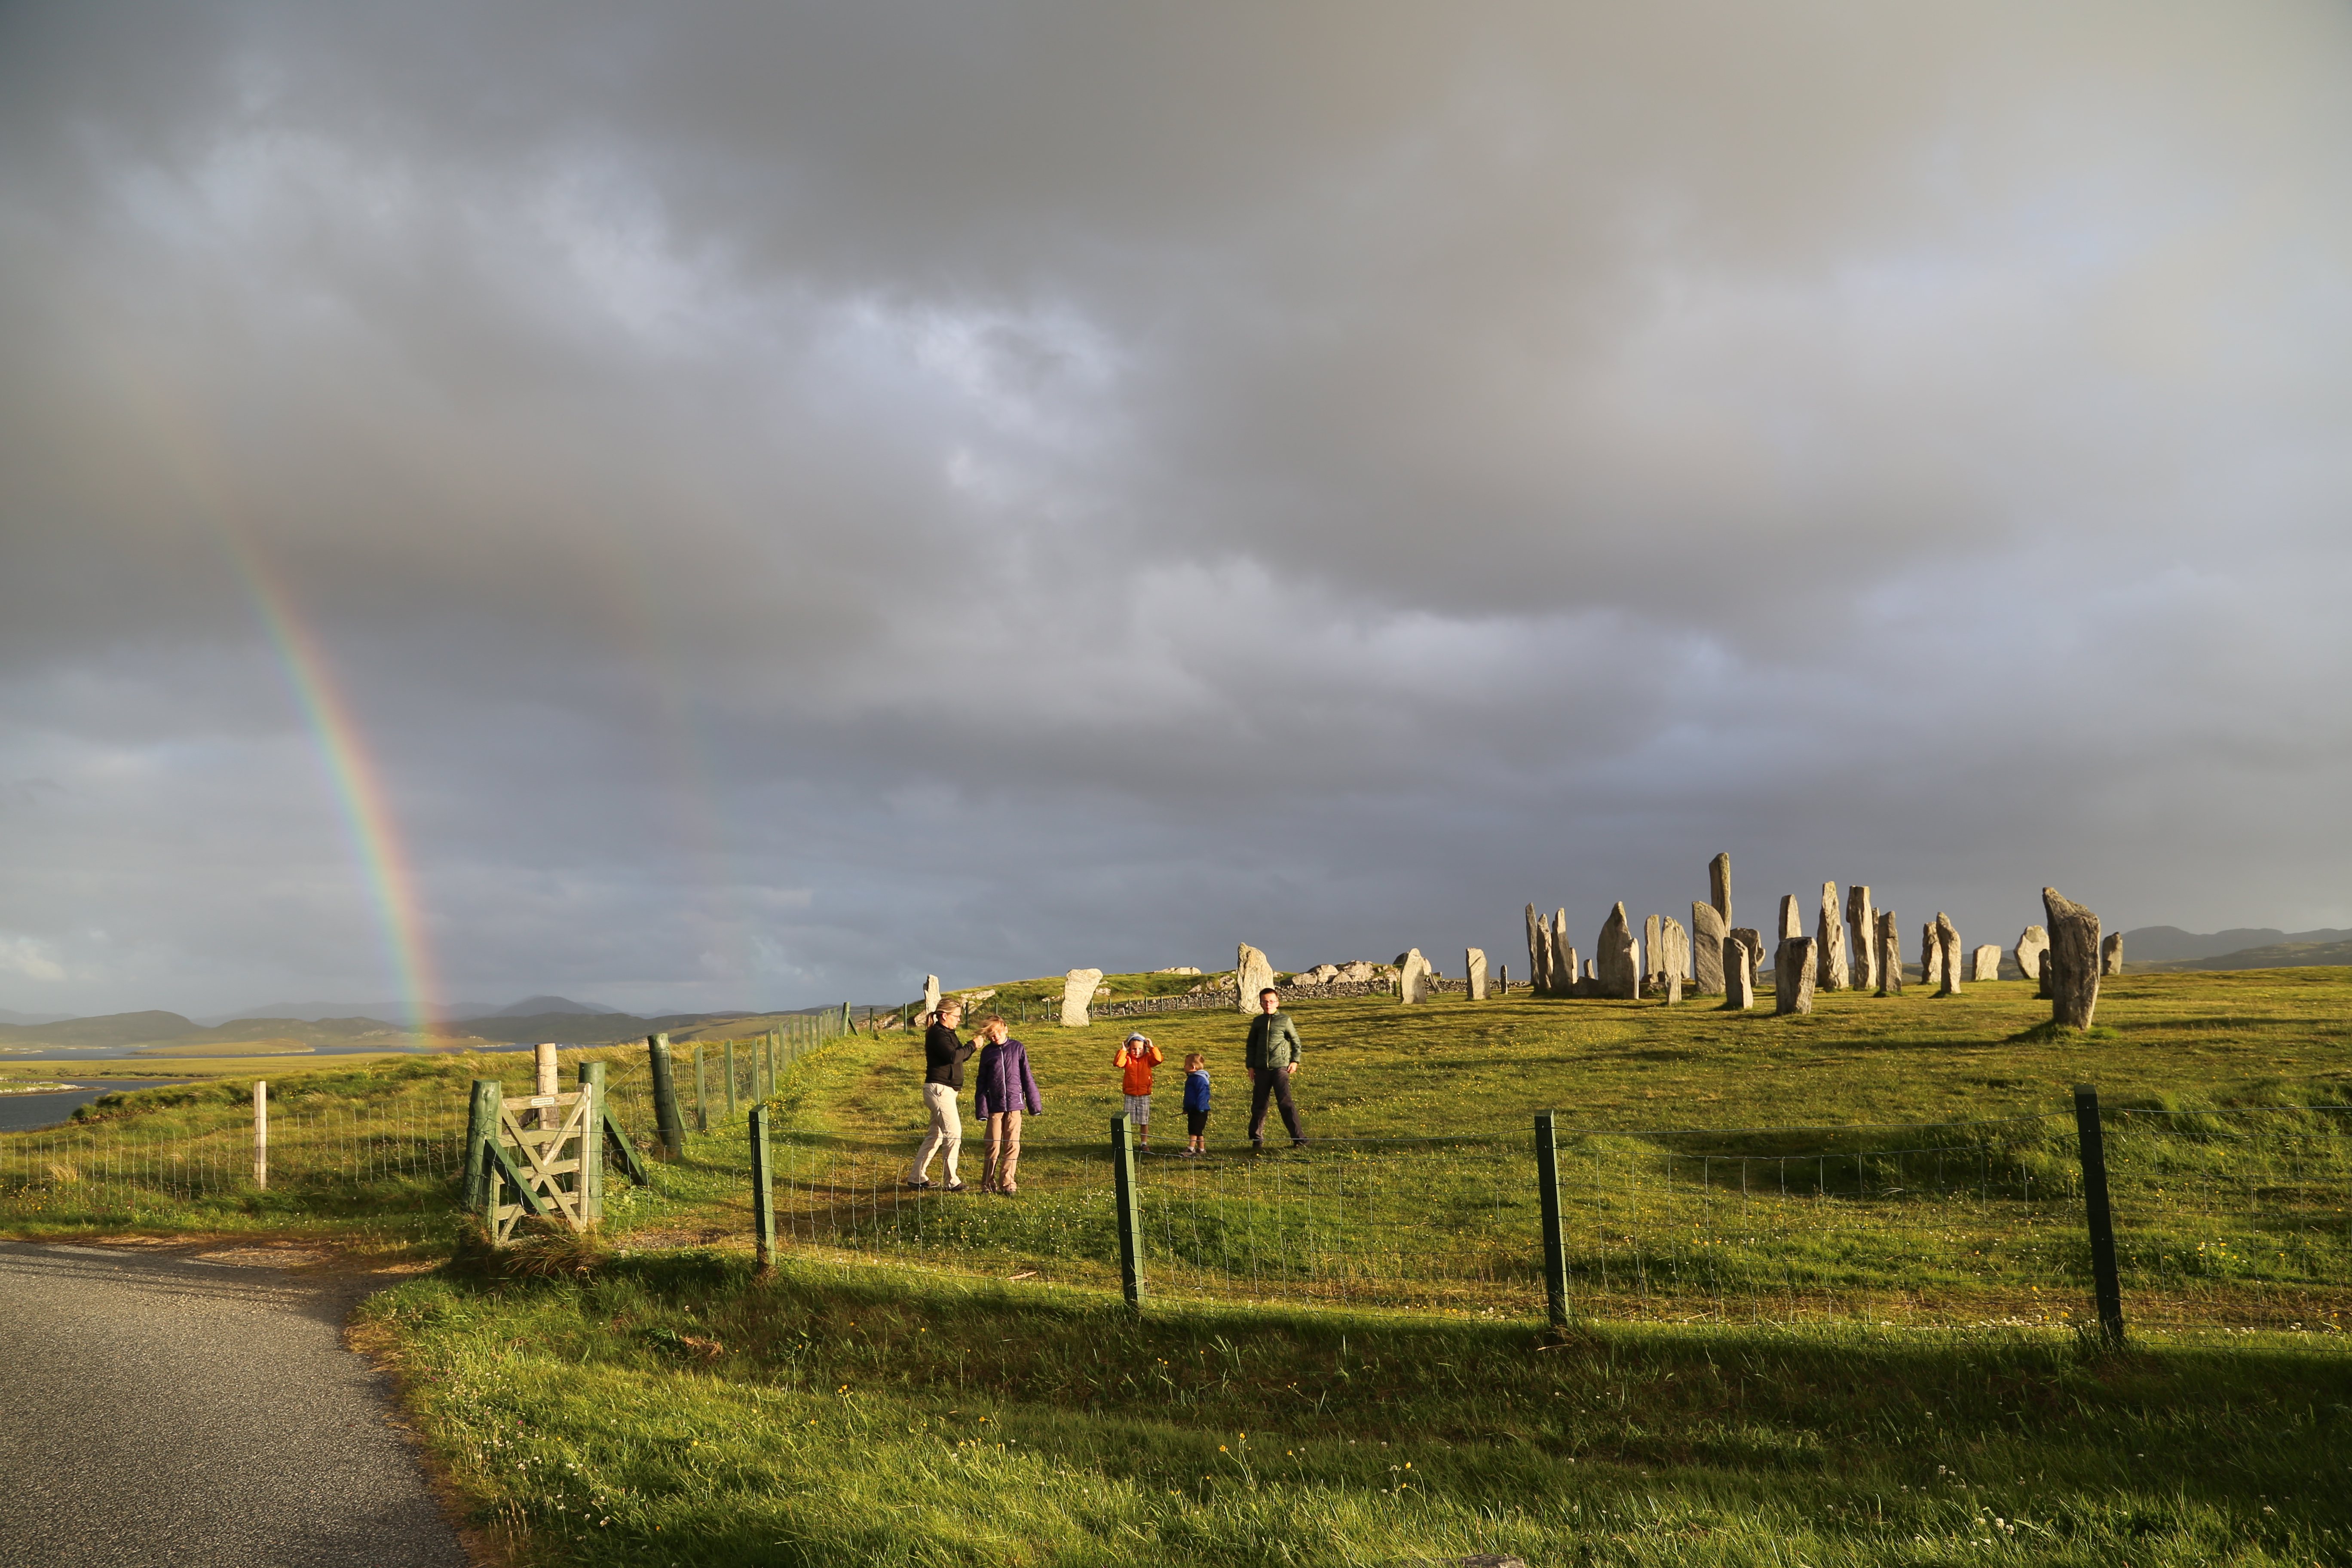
(1274, 1081)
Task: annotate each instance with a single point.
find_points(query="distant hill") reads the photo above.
(112, 1029)
(10, 1016)
(2274, 955)
(2171, 944)
(536, 1007)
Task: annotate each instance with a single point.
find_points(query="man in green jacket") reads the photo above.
(1272, 1059)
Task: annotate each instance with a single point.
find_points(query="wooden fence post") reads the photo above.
(1555, 1247)
(701, 1095)
(592, 1143)
(482, 1125)
(730, 1080)
(763, 1189)
(2107, 1288)
(1130, 1210)
(261, 1134)
(669, 1125)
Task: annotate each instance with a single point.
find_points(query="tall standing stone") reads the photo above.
(1077, 994)
(1985, 964)
(2073, 959)
(1792, 978)
(1738, 975)
(1718, 887)
(930, 997)
(1889, 941)
(1413, 977)
(1474, 964)
(1573, 983)
(1931, 956)
(2111, 953)
(1673, 950)
(1829, 944)
(1618, 966)
(1948, 955)
(1861, 926)
(1252, 974)
(1563, 957)
(1707, 935)
(1651, 966)
(1792, 920)
(1538, 938)
(2032, 944)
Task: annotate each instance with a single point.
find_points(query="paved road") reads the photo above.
(159, 1409)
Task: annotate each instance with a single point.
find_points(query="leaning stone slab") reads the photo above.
(1792, 978)
(1078, 993)
(2073, 959)
(1985, 964)
(1706, 937)
(1829, 942)
(1474, 964)
(1252, 973)
(1889, 938)
(1617, 965)
(2111, 953)
(2032, 944)
(1738, 975)
(1948, 955)
(1861, 926)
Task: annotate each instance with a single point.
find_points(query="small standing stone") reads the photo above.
(2111, 953)
(1889, 938)
(2041, 973)
(1673, 949)
(1572, 983)
(1948, 954)
(1829, 944)
(1707, 934)
(1252, 973)
(1653, 968)
(1792, 920)
(1413, 976)
(1931, 956)
(1474, 964)
(1674, 988)
(1986, 962)
(2032, 944)
(1862, 922)
(1619, 965)
(1718, 887)
(1077, 994)
(1792, 978)
(2073, 959)
(1738, 975)
(930, 997)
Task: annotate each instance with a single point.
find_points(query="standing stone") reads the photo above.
(1674, 988)
(1829, 944)
(2111, 954)
(1673, 949)
(1718, 887)
(1539, 936)
(1753, 940)
(1652, 968)
(1985, 963)
(1738, 975)
(2073, 959)
(1474, 964)
(1563, 957)
(2042, 974)
(930, 997)
(1571, 982)
(1792, 978)
(1948, 954)
(1252, 974)
(1077, 993)
(1862, 922)
(1889, 938)
(1792, 920)
(1413, 976)
(1619, 965)
(1707, 935)
(2032, 944)
(1931, 956)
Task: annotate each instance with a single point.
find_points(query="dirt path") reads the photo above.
(166, 1407)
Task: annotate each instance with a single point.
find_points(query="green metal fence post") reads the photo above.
(763, 1189)
(592, 1142)
(1130, 1211)
(481, 1123)
(1555, 1248)
(2107, 1289)
(730, 1080)
(669, 1125)
(701, 1095)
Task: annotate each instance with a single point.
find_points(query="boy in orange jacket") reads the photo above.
(1136, 1056)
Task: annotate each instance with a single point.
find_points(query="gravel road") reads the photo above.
(156, 1407)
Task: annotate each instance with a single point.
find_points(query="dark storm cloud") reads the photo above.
(799, 498)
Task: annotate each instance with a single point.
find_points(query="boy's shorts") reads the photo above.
(1139, 1109)
(1196, 1123)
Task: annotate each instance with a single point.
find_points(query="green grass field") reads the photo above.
(1874, 1361)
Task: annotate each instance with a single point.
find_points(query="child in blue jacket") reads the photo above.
(1196, 1104)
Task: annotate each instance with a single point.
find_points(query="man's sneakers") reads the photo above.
(918, 1185)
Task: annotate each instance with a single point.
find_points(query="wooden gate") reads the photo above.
(543, 1161)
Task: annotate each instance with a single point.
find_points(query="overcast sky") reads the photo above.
(794, 498)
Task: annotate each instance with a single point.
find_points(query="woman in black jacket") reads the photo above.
(943, 1059)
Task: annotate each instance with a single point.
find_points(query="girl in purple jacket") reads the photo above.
(1003, 1088)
